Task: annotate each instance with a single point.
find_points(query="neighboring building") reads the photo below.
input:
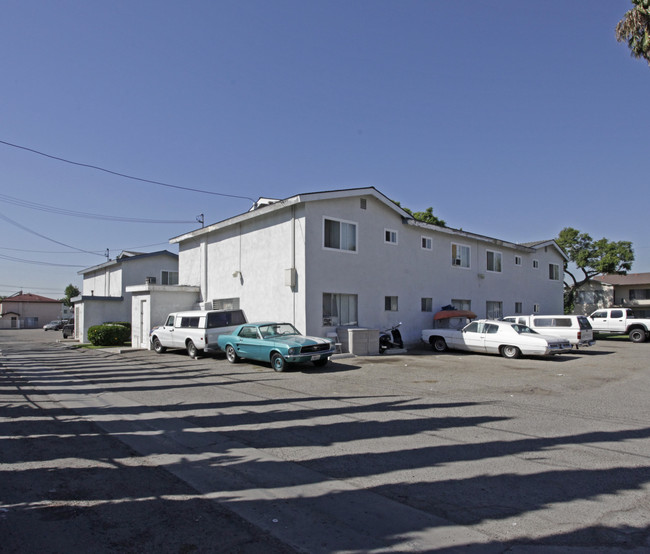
(29, 311)
(329, 260)
(607, 291)
(104, 297)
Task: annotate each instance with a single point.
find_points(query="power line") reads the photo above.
(34, 262)
(47, 251)
(9, 220)
(123, 174)
(63, 211)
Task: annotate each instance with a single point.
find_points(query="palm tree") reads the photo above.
(634, 29)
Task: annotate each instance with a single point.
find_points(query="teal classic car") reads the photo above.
(277, 343)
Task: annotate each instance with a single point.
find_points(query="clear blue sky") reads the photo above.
(512, 119)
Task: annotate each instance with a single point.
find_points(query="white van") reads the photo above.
(575, 328)
(195, 331)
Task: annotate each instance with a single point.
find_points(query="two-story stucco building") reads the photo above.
(331, 259)
(105, 298)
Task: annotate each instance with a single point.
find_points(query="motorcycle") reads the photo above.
(390, 338)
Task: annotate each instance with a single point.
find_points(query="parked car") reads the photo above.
(196, 331)
(277, 343)
(575, 328)
(511, 340)
(53, 325)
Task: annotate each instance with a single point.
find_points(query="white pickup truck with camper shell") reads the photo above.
(620, 321)
(195, 331)
(575, 328)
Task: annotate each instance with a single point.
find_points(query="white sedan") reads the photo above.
(511, 340)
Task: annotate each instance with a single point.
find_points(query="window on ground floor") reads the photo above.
(461, 304)
(493, 309)
(339, 309)
(390, 303)
(225, 304)
(427, 304)
(519, 308)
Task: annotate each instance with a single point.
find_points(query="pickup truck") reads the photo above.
(195, 331)
(620, 321)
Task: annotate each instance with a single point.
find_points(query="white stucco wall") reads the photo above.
(258, 250)
(411, 273)
(150, 305)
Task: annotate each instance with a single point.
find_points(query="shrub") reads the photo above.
(109, 334)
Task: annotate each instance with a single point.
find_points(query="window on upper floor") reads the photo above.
(554, 272)
(518, 260)
(535, 264)
(426, 243)
(460, 255)
(169, 278)
(339, 235)
(390, 236)
(494, 261)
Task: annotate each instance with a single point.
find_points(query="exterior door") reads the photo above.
(143, 326)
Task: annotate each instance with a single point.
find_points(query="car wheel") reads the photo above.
(231, 355)
(438, 344)
(192, 350)
(157, 346)
(637, 335)
(510, 352)
(320, 363)
(277, 362)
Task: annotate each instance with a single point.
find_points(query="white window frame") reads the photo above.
(496, 256)
(426, 243)
(457, 258)
(391, 304)
(426, 304)
(519, 308)
(348, 303)
(535, 264)
(554, 272)
(536, 308)
(168, 274)
(461, 304)
(390, 236)
(340, 248)
(490, 314)
(517, 260)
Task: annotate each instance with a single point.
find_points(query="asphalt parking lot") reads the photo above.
(423, 452)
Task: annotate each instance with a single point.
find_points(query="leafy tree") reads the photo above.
(70, 292)
(425, 216)
(591, 258)
(634, 29)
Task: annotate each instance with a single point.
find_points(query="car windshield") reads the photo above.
(522, 329)
(278, 330)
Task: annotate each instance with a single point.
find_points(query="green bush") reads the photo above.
(109, 334)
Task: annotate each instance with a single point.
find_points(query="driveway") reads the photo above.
(421, 452)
